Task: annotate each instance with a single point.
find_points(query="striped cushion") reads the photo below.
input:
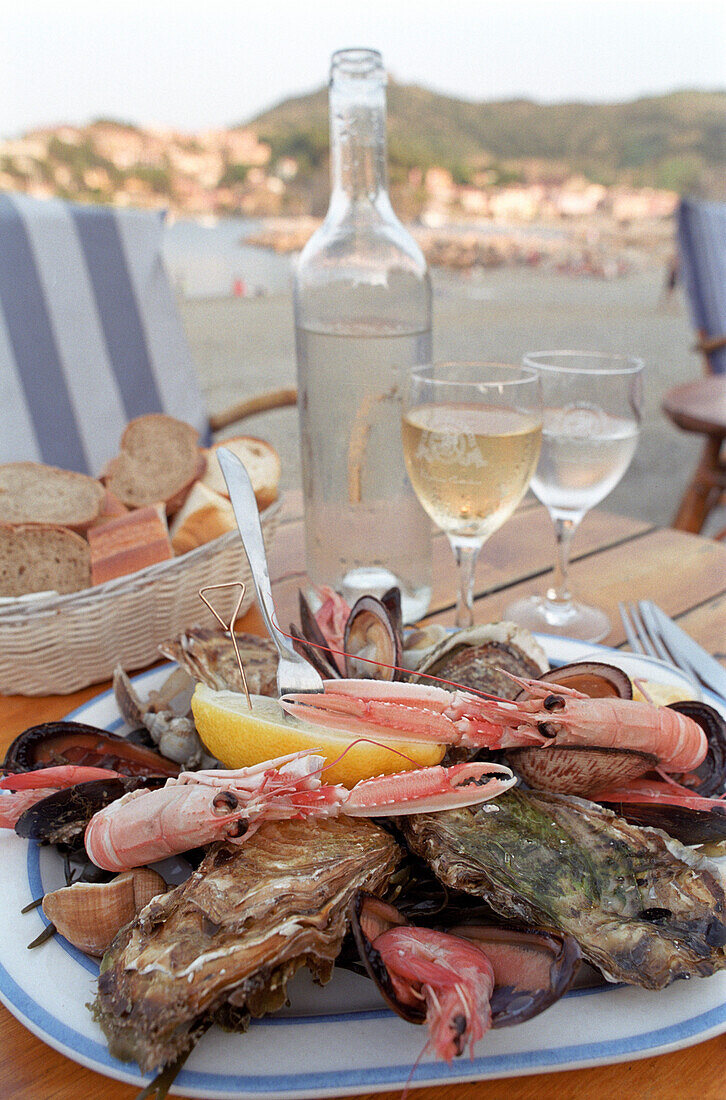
(702, 249)
(89, 332)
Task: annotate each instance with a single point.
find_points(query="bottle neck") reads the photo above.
(358, 145)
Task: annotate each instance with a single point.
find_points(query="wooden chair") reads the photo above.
(90, 335)
(701, 406)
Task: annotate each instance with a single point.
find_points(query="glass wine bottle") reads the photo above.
(362, 319)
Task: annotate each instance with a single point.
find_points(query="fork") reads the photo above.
(642, 632)
(294, 674)
(649, 630)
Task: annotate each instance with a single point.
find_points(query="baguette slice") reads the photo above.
(160, 459)
(205, 515)
(259, 458)
(129, 543)
(31, 492)
(42, 557)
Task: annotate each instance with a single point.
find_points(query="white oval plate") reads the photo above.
(334, 1041)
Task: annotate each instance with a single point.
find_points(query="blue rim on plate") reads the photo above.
(93, 1053)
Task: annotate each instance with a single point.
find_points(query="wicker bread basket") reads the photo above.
(58, 644)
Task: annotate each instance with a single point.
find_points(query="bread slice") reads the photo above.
(42, 557)
(205, 515)
(160, 459)
(259, 458)
(31, 492)
(129, 543)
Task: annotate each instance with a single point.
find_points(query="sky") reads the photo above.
(209, 63)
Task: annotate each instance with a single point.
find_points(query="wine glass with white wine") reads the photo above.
(471, 439)
(591, 423)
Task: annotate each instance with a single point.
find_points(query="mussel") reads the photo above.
(371, 645)
(54, 743)
(681, 822)
(709, 778)
(532, 967)
(372, 641)
(61, 818)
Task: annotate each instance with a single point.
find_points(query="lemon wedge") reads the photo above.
(661, 694)
(240, 737)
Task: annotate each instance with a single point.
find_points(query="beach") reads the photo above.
(242, 345)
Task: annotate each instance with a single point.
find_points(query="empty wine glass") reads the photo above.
(591, 423)
(471, 437)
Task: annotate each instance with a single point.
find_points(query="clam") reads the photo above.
(578, 769)
(594, 678)
(474, 658)
(172, 730)
(89, 915)
(420, 642)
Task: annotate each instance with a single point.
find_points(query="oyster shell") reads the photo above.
(207, 654)
(640, 913)
(473, 657)
(235, 932)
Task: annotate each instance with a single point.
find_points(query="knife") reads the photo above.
(244, 505)
(703, 666)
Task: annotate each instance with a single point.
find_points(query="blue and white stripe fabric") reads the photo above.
(702, 249)
(90, 336)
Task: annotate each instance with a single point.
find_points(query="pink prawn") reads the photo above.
(453, 978)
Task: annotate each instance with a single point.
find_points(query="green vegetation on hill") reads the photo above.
(662, 141)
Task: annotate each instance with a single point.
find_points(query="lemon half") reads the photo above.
(240, 737)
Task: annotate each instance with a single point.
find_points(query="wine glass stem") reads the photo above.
(465, 554)
(564, 532)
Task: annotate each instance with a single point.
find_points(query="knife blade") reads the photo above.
(244, 505)
(705, 667)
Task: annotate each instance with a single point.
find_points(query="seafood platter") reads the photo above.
(485, 856)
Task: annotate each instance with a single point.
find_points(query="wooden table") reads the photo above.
(614, 557)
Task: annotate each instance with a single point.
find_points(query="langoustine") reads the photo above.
(198, 808)
(553, 715)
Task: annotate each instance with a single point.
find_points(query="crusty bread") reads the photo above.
(129, 543)
(205, 515)
(42, 557)
(160, 459)
(33, 493)
(259, 458)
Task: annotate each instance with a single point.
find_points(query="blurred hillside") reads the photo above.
(676, 141)
(474, 160)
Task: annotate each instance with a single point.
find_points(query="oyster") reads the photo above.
(235, 932)
(207, 654)
(475, 656)
(640, 913)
